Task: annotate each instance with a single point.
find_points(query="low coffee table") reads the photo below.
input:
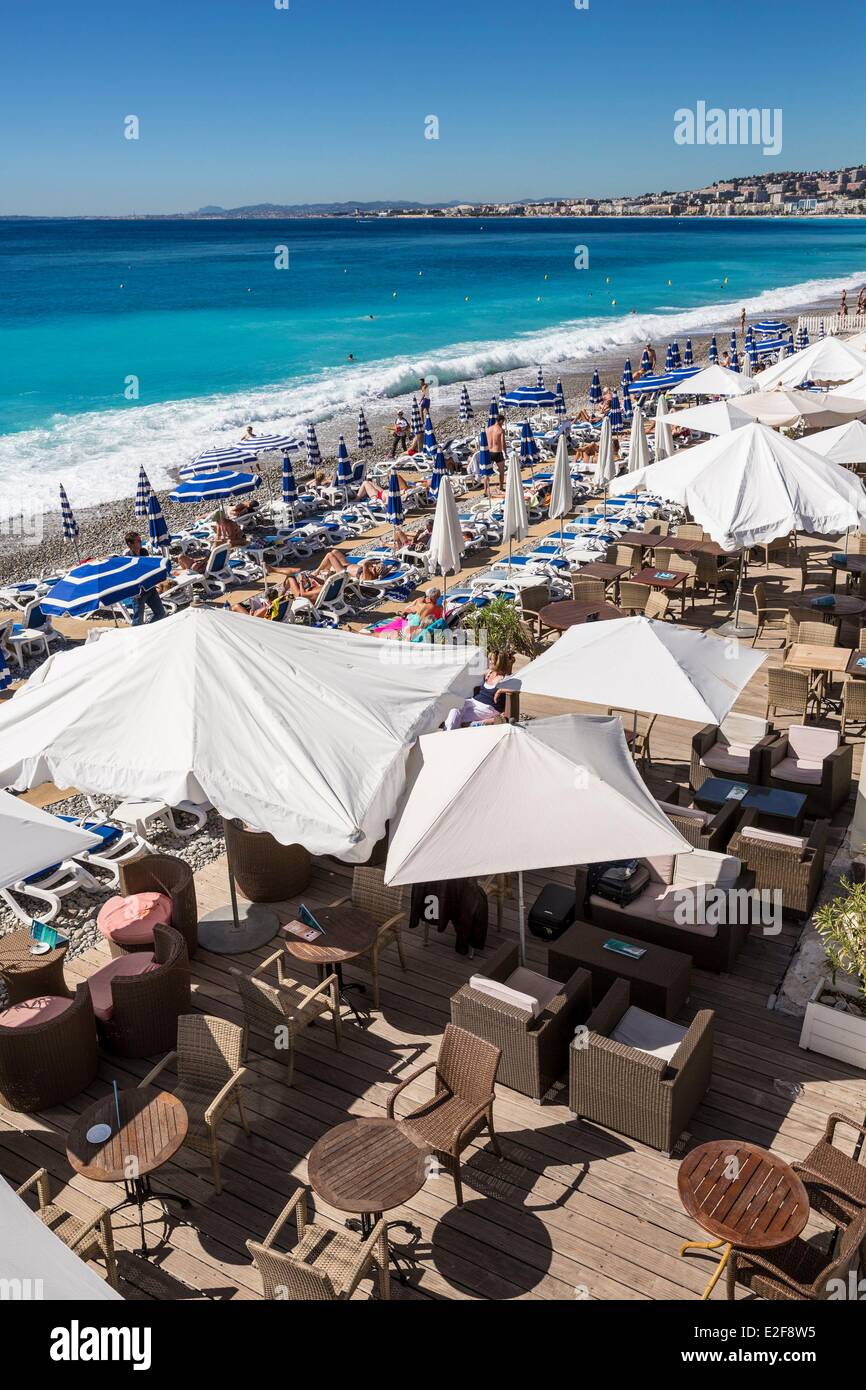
(348, 932)
(659, 981)
(26, 975)
(777, 809)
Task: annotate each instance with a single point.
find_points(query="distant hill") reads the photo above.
(312, 209)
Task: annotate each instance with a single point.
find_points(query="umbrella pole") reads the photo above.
(734, 627)
(521, 924)
(236, 927)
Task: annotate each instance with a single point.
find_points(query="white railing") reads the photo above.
(833, 323)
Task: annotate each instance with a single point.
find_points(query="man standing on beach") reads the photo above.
(399, 432)
(742, 321)
(496, 444)
(151, 599)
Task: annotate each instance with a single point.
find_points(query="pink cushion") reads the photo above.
(791, 770)
(40, 1010)
(810, 745)
(99, 984)
(130, 921)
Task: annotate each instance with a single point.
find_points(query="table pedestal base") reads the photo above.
(719, 1270)
(342, 991)
(138, 1191)
(364, 1225)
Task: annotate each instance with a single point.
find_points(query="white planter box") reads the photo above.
(833, 1033)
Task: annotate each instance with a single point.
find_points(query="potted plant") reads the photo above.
(500, 628)
(835, 1021)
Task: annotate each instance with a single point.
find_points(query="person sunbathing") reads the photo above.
(266, 605)
(373, 493)
(418, 615)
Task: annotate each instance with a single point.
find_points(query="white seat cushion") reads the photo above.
(772, 837)
(811, 745)
(649, 1033)
(690, 813)
(743, 730)
(706, 866)
(504, 994)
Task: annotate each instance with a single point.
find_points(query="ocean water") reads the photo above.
(125, 343)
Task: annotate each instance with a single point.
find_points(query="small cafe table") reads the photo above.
(743, 1196)
(571, 613)
(153, 1126)
(843, 605)
(669, 580)
(349, 932)
(600, 569)
(26, 974)
(366, 1167)
(770, 803)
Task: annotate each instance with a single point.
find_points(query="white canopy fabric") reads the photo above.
(663, 440)
(605, 465)
(784, 406)
(858, 342)
(36, 1264)
(31, 839)
(562, 790)
(716, 417)
(638, 448)
(446, 539)
(844, 444)
(714, 380)
(515, 523)
(855, 390)
(299, 731)
(750, 486)
(636, 663)
(828, 360)
(561, 495)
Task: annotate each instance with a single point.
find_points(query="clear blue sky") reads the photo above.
(240, 102)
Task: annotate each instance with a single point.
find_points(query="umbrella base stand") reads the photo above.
(732, 628)
(220, 931)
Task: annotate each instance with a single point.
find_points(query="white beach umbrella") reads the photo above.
(663, 440)
(716, 417)
(636, 663)
(515, 523)
(567, 790)
(36, 1264)
(605, 468)
(855, 390)
(714, 381)
(638, 448)
(31, 839)
(784, 406)
(858, 342)
(561, 491)
(827, 361)
(843, 444)
(297, 731)
(446, 539)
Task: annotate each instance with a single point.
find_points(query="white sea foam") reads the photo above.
(97, 454)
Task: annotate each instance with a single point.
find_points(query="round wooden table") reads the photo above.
(845, 605)
(367, 1167)
(349, 932)
(27, 975)
(570, 612)
(744, 1196)
(153, 1125)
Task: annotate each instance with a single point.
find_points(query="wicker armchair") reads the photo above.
(89, 1240)
(837, 1182)
(163, 873)
(630, 1090)
(657, 605)
(264, 870)
(798, 1271)
(633, 597)
(145, 1008)
(832, 788)
(280, 1012)
(45, 1064)
(854, 704)
(387, 906)
(789, 691)
(461, 1106)
(325, 1265)
(586, 589)
(209, 1075)
(776, 619)
(689, 531)
(818, 634)
(702, 830)
(779, 862)
(534, 1050)
(730, 749)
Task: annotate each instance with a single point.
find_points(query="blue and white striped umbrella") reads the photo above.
(615, 413)
(501, 387)
(529, 398)
(645, 362)
(772, 327)
(266, 444)
(213, 486)
(415, 422)
(675, 354)
(750, 334)
(820, 328)
(539, 380)
(70, 525)
(804, 340)
(438, 473)
(528, 446)
(430, 441)
(789, 345)
(493, 411)
(560, 401)
(233, 456)
(142, 493)
(752, 354)
(290, 487)
(102, 582)
(669, 358)
(627, 411)
(344, 464)
(365, 438)
(5, 674)
(394, 499)
(623, 383)
(733, 346)
(627, 373)
(595, 389)
(466, 411)
(735, 361)
(157, 529)
(485, 467)
(314, 453)
(688, 355)
(713, 351)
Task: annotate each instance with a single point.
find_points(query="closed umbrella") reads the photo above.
(605, 468)
(515, 523)
(735, 361)
(614, 415)
(290, 487)
(627, 374)
(157, 529)
(70, 525)
(675, 356)
(560, 401)
(663, 440)
(365, 438)
(638, 448)
(626, 402)
(561, 491)
(5, 673)
(688, 356)
(493, 412)
(437, 474)
(430, 441)
(646, 365)
(142, 493)
(446, 538)
(669, 358)
(344, 468)
(528, 447)
(466, 411)
(485, 465)
(416, 424)
(102, 583)
(314, 453)
(713, 350)
(595, 389)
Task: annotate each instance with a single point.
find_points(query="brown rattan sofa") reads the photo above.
(650, 1098)
(534, 1049)
(813, 762)
(45, 1064)
(163, 873)
(264, 870)
(136, 1014)
(791, 864)
(730, 749)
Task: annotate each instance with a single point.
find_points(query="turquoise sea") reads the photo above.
(130, 342)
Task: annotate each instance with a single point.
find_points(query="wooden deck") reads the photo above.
(570, 1211)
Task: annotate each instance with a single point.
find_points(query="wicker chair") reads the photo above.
(837, 1182)
(708, 576)
(825, 796)
(45, 1064)
(587, 589)
(662, 557)
(712, 833)
(209, 1074)
(854, 703)
(798, 1271)
(325, 1265)
(623, 554)
(163, 873)
(766, 616)
(534, 1050)
(281, 1011)
(264, 870)
(633, 597)
(791, 691)
(89, 1240)
(657, 605)
(630, 1090)
(461, 1106)
(145, 1008)
(818, 634)
(780, 863)
(388, 907)
(689, 531)
(712, 755)
(637, 736)
(657, 527)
